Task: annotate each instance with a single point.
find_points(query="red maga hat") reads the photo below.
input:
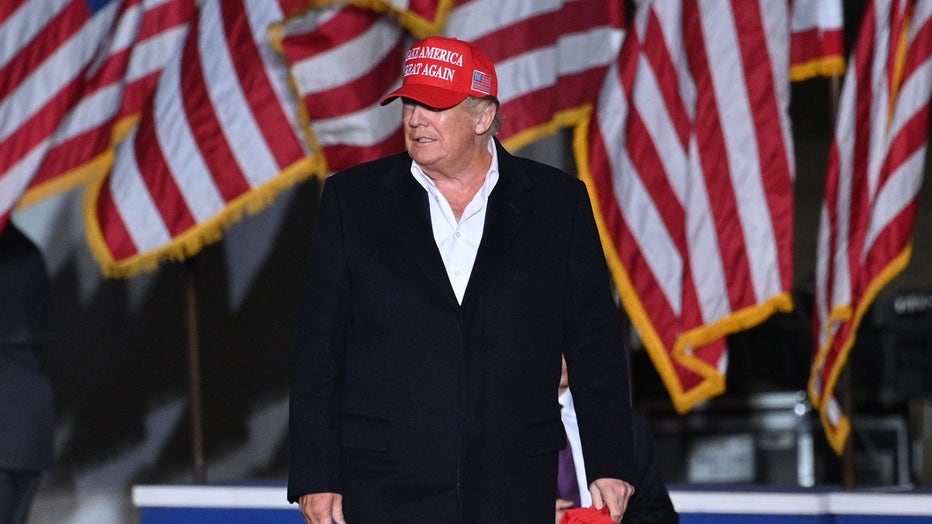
(441, 72)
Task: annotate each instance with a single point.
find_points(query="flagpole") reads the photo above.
(194, 374)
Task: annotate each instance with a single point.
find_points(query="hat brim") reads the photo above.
(432, 96)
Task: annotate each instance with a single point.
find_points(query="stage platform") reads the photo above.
(266, 504)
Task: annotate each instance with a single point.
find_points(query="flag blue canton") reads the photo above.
(97, 5)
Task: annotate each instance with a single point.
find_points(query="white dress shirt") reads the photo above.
(458, 242)
(568, 414)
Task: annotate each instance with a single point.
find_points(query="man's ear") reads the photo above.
(485, 119)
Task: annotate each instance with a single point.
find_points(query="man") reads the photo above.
(651, 503)
(444, 284)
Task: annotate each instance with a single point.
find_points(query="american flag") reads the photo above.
(550, 58)
(73, 75)
(817, 42)
(218, 139)
(874, 175)
(691, 172)
(481, 82)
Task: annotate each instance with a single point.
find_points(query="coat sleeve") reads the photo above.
(595, 356)
(651, 503)
(317, 370)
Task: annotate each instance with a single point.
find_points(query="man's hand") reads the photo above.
(614, 493)
(322, 508)
(562, 506)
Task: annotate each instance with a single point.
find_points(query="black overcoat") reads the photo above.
(420, 409)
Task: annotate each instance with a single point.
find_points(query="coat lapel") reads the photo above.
(410, 211)
(507, 210)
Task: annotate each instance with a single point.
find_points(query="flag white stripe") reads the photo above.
(526, 73)
(583, 50)
(704, 255)
(829, 15)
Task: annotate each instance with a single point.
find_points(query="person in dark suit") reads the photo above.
(26, 409)
(651, 503)
(444, 283)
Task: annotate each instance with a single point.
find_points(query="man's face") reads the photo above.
(439, 140)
